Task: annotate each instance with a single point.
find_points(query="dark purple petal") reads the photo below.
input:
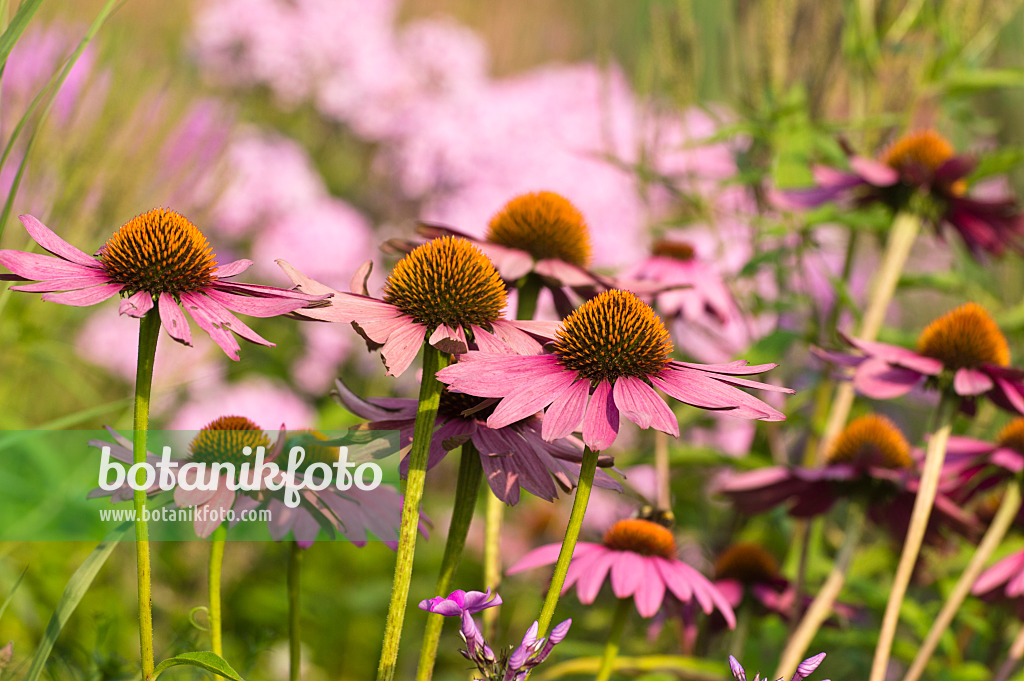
(805, 668)
(737, 669)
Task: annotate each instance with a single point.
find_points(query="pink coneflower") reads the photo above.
(639, 558)
(805, 669)
(513, 456)
(158, 259)
(445, 292)
(609, 355)
(962, 351)
(539, 233)
(871, 460)
(1005, 579)
(922, 165)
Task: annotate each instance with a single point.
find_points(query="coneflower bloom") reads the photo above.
(445, 292)
(157, 259)
(963, 351)
(979, 464)
(609, 356)
(1005, 579)
(638, 557)
(541, 233)
(803, 670)
(870, 461)
(513, 456)
(921, 172)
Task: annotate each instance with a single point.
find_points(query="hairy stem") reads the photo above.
(611, 648)
(294, 611)
(216, 562)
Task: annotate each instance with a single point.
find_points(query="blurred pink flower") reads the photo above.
(259, 399)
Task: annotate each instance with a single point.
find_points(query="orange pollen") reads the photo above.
(1012, 436)
(925, 149)
(965, 338)
(545, 225)
(159, 252)
(447, 281)
(746, 562)
(872, 440)
(612, 335)
(223, 440)
(641, 536)
(677, 250)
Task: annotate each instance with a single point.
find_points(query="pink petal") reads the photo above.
(511, 263)
(515, 337)
(640, 404)
(379, 330)
(449, 340)
(48, 239)
(627, 573)
(565, 414)
(185, 498)
(136, 305)
(738, 368)
(874, 172)
(589, 584)
(999, 573)
(173, 319)
(489, 375)
(358, 282)
(84, 297)
(377, 409)
(232, 269)
(255, 307)
(63, 284)
(651, 592)
(547, 555)
(971, 382)
(564, 273)
(894, 354)
(523, 399)
(882, 381)
(305, 284)
(402, 346)
(702, 390)
(1011, 393)
(222, 499)
(601, 422)
(40, 267)
(581, 566)
(487, 342)
(502, 479)
(198, 307)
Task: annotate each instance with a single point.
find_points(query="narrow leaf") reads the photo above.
(204, 659)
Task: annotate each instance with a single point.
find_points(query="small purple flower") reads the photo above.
(803, 670)
(460, 601)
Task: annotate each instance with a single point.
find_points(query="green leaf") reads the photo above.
(10, 596)
(204, 659)
(969, 81)
(17, 26)
(73, 593)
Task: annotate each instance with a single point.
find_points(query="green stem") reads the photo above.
(935, 455)
(423, 432)
(902, 234)
(466, 493)
(294, 612)
(492, 558)
(149, 333)
(529, 291)
(216, 561)
(572, 533)
(611, 648)
(996, 531)
(821, 607)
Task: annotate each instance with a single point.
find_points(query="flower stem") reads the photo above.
(466, 492)
(996, 531)
(149, 333)
(821, 606)
(902, 234)
(529, 291)
(1013, 658)
(935, 455)
(572, 533)
(423, 432)
(492, 558)
(216, 561)
(611, 648)
(663, 497)
(294, 611)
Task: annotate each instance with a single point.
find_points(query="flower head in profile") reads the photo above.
(962, 351)
(158, 259)
(445, 292)
(921, 172)
(512, 664)
(638, 557)
(513, 457)
(976, 465)
(870, 461)
(539, 233)
(608, 357)
(803, 670)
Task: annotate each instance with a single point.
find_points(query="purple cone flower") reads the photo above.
(460, 601)
(803, 670)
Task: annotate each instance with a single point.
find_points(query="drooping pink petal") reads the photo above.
(487, 342)
(581, 566)
(511, 263)
(527, 398)
(230, 321)
(627, 573)
(640, 404)
(739, 367)
(601, 422)
(63, 284)
(216, 510)
(401, 347)
(450, 340)
(48, 239)
(651, 592)
(874, 172)
(487, 375)
(564, 273)
(894, 354)
(38, 267)
(255, 307)
(515, 337)
(565, 414)
(184, 498)
(357, 284)
(971, 382)
(348, 307)
(173, 319)
(136, 305)
(197, 307)
(882, 381)
(590, 582)
(548, 554)
(232, 269)
(261, 291)
(703, 390)
(1011, 392)
(304, 283)
(84, 297)
(379, 330)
